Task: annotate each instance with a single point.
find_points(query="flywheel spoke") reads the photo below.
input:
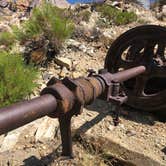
(134, 51)
(161, 51)
(140, 85)
(149, 51)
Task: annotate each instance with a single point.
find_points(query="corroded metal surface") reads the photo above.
(134, 73)
(144, 45)
(24, 112)
(62, 99)
(136, 60)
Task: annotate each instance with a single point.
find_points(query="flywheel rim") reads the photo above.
(154, 36)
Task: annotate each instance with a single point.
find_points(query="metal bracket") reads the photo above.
(117, 98)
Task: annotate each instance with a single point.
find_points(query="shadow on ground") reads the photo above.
(104, 109)
(44, 161)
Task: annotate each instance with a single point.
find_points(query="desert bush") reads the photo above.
(17, 80)
(83, 15)
(115, 15)
(46, 29)
(125, 17)
(6, 38)
(47, 21)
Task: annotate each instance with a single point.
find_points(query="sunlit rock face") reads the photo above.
(145, 3)
(150, 3)
(60, 3)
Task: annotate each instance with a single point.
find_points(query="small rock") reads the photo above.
(130, 133)
(63, 62)
(121, 126)
(116, 4)
(46, 76)
(108, 33)
(3, 47)
(46, 130)
(64, 72)
(83, 48)
(89, 114)
(10, 140)
(71, 42)
(44, 147)
(81, 6)
(111, 127)
(26, 136)
(42, 86)
(76, 74)
(164, 10)
(90, 51)
(157, 145)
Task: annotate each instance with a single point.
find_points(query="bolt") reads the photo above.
(91, 72)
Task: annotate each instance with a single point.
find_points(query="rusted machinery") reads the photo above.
(142, 45)
(136, 56)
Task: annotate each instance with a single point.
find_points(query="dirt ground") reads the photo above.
(140, 138)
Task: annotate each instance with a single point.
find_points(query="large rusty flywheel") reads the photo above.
(142, 45)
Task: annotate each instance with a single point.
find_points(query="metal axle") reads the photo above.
(62, 99)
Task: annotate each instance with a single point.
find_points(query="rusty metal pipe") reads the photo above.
(22, 113)
(63, 99)
(91, 87)
(128, 74)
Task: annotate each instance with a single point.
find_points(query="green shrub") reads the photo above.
(125, 17)
(46, 29)
(47, 22)
(84, 15)
(6, 38)
(16, 79)
(116, 16)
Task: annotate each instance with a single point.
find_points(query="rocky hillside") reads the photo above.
(140, 138)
